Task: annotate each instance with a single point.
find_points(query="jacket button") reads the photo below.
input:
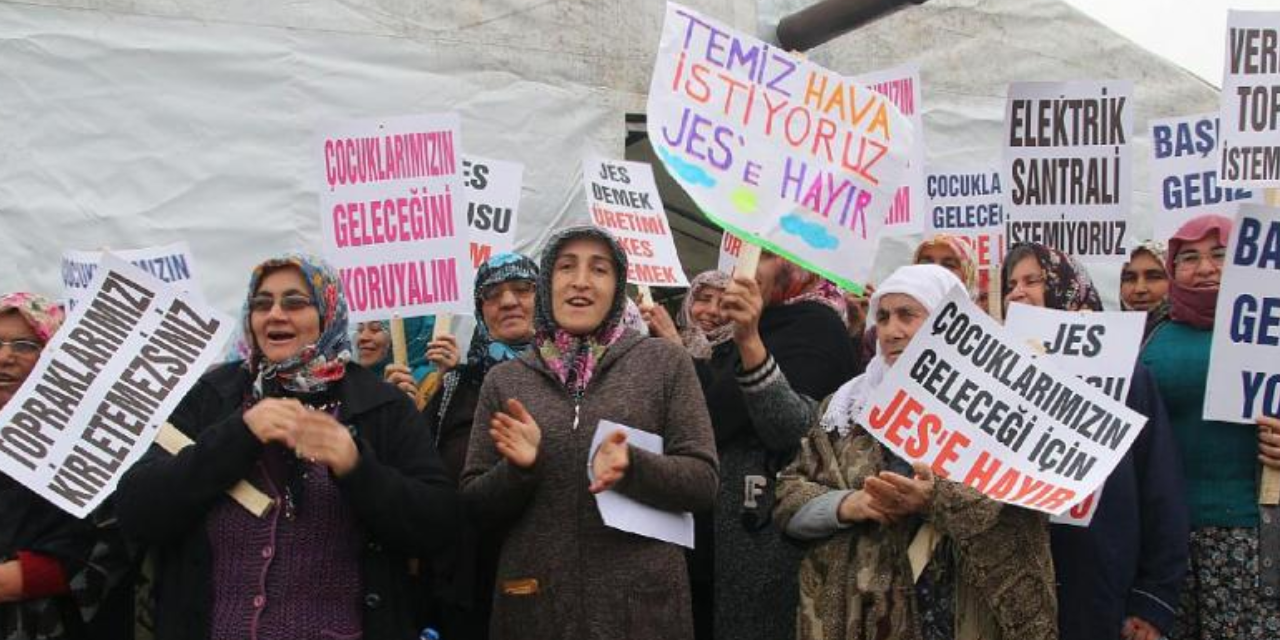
(373, 600)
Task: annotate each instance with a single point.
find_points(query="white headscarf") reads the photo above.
(928, 284)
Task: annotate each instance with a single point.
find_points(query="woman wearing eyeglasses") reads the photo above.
(58, 574)
(357, 487)
(1225, 591)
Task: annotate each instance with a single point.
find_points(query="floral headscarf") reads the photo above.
(1067, 286)
(571, 358)
(317, 365)
(795, 285)
(43, 315)
(697, 342)
(964, 253)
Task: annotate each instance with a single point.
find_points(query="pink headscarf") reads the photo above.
(964, 253)
(44, 315)
(1191, 306)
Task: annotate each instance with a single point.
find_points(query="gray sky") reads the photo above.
(1189, 32)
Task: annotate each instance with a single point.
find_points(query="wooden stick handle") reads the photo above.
(995, 302)
(443, 324)
(1269, 486)
(646, 294)
(399, 350)
(748, 260)
(250, 497)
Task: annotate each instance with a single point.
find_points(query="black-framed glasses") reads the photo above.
(263, 303)
(520, 288)
(22, 346)
(1192, 259)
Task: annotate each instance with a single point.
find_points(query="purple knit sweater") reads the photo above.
(276, 577)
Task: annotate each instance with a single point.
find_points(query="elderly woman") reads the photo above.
(1120, 576)
(1144, 283)
(989, 577)
(357, 487)
(59, 575)
(699, 327)
(1232, 564)
(563, 573)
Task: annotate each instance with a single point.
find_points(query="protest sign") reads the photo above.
(1100, 348)
(493, 205)
(1067, 166)
(623, 199)
(784, 154)
(1249, 103)
(170, 263)
(1243, 380)
(968, 204)
(901, 85)
(730, 247)
(1184, 173)
(972, 402)
(393, 216)
(104, 384)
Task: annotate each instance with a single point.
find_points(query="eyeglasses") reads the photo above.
(520, 288)
(289, 302)
(1192, 259)
(22, 346)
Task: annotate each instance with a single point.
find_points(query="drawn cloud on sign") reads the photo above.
(690, 173)
(812, 233)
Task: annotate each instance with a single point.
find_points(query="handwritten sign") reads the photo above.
(776, 149)
(393, 215)
(1243, 380)
(104, 384)
(973, 403)
(493, 205)
(1184, 173)
(623, 199)
(1250, 101)
(172, 263)
(902, 86)
(1099, 348)
(1067, 166)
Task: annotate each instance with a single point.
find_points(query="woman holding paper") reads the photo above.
(531, 467)
(357, 487)
(61, 578)
(1232, 565)
(987, 575)
(1119, 576)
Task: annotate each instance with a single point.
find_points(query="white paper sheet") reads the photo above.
(625, 514)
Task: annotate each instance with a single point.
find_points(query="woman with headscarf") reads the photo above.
(1144, 283)
(789, 347)
(60, 577)
(1119, 576)
(1234, 544)
(563, 573)
(861, 507)
(356, 485)
(699, 327)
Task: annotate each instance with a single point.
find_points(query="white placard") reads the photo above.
(1249, 103)
(623, 199)
(968, 204)
(105, 383)
(902, 86)
(623, 513)
(1184, 173)
(730, 247)
(493, 205)
(172, 263)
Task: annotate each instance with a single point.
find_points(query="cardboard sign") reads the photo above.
(971, 401)
(774, 148)
(104, 384)
(730, 247)
(623, 199)
(1184, 173)
(1100, 348)
(493, 205)
(1067, 166)
(1244, 381)
(902, 86)
(170, 263)
(393, 215)
(1250, 101)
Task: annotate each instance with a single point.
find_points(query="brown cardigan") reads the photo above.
(593, 582)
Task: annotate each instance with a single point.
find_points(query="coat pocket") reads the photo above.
(523, 610)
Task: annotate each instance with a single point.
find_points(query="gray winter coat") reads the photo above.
(593, 582)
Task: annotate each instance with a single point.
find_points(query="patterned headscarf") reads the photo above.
(1194, 306)
(1157, 250)
(793, 285)
(43, 315)
(964, 254)
(1067, 286)
(317, 365)
(573, 358)
(697, 342)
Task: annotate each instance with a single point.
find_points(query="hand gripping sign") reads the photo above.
(775, 149)
(974, 404)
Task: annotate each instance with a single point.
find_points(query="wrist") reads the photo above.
(752, 351)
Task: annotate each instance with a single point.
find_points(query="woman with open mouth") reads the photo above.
(563, 573)
(61, 578)
(357, 487)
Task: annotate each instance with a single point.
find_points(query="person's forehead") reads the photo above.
(284, 279)
(891, 302)
(13, 325)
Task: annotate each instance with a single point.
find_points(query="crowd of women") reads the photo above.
(457, 492)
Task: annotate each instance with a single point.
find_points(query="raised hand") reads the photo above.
(610, 463)
(896, 495)
(516, 435)
(321, 439)
(273, 420)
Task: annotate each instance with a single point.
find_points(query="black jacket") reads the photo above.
(402, 498)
